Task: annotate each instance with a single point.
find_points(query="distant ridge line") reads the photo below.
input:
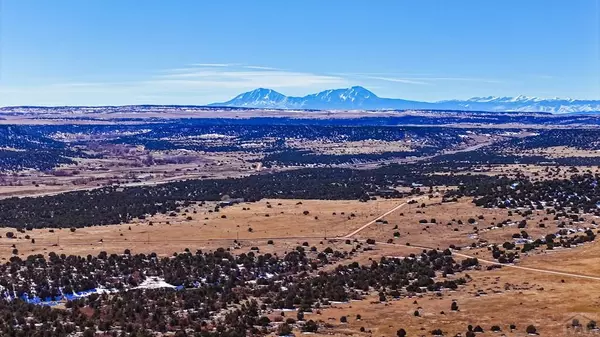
(359, 98)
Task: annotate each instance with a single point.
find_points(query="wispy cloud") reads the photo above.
(260, 68)
(459, 79)
(225, 65)
(421, 79)
(243, 77)
(395, 79)
(203, 83)
(195, 84)
(216, 65)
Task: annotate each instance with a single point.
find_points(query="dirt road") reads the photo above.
(456, 253)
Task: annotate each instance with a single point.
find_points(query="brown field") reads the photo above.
(561, 152)
(510, 296)
(127, 170)
(499, 297)
(351, 147)
(285, 224)
(447, 230)
(532, 172)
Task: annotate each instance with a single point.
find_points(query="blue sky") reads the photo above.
(95, 52)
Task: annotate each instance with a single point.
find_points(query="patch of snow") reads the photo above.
(154, 283)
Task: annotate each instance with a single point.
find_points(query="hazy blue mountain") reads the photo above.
(359, 98)
(265, 98)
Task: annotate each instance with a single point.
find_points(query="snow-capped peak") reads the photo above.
(352, 94)
(261, 93)
(483, 99)
(505, 99)
(258, 97)
(357, 97)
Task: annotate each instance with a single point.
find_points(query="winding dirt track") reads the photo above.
(454, 252)
(349, 235)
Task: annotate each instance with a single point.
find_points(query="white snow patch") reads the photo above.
(154, 283)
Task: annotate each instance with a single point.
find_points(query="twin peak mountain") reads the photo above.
(359, 98)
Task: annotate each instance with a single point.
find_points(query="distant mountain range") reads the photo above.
(359, 98)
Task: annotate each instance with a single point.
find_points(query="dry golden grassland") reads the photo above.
(497, 297)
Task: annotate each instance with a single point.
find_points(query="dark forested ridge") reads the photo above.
(113, 205)
(26, 147)
(43, 147)
(273, 136)
(304, 157)
(512, 151)
(576, 138)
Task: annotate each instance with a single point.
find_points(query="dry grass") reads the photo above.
(285, 224)
(562, 152)
(351, 147)
(441, 235)
(511, 296)
(126, 166)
